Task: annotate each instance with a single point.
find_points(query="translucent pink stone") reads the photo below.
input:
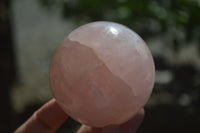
(102, 74)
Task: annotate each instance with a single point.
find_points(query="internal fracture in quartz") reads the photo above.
(102, 74)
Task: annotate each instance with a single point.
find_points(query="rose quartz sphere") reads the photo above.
(102, 74)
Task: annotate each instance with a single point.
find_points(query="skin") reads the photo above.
(43, 122)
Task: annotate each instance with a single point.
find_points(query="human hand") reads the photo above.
(50, 117)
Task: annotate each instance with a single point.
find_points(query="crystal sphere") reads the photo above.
(102, 74)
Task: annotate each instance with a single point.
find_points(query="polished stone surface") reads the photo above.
(102, 74)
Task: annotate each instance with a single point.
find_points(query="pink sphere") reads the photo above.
(102, 74)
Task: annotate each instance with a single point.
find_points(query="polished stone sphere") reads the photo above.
(102, 74)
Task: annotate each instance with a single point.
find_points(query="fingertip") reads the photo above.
(47, 119)
(133, 124)
(111, 129)
(88, 129)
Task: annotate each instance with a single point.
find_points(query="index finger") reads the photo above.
(45, 120)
